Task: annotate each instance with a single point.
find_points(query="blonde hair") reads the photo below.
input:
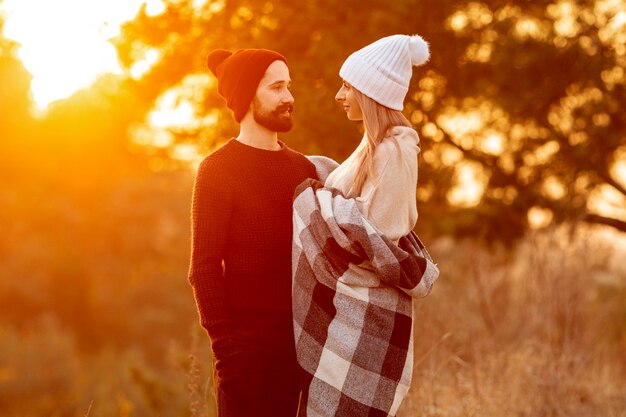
(377, 120)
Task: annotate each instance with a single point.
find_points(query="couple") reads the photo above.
(303, 271)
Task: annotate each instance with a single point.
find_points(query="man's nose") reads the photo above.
(288, 98)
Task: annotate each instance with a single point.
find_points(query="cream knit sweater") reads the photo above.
(388, 197)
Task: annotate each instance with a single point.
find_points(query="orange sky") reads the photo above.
(64, 43)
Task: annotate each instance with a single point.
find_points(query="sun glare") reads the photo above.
(64, 44)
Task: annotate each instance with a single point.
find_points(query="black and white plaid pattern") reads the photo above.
(352, 306)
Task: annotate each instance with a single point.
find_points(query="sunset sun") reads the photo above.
(64, 44)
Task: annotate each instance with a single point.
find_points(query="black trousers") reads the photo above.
(269, 384)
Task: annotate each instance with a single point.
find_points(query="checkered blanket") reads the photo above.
(352, 306)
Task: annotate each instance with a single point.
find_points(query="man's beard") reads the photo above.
(273, 120)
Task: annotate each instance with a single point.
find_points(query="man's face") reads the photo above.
(273, 103)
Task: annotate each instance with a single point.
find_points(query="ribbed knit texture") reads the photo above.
(241, 215)
(382, 70)
(388, 197)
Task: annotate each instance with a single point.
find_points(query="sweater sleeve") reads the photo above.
(388, 198)
(210, 217)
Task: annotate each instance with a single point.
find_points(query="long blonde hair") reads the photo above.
(377, 120)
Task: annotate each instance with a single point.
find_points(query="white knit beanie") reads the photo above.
(382, 70)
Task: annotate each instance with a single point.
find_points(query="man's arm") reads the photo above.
(210, 218)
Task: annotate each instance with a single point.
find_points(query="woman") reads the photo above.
(356, 263)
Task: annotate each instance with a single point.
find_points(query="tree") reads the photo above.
(15, 116)
(547, 78)
(521, 98)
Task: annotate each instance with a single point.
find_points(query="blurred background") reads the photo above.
(106, 109)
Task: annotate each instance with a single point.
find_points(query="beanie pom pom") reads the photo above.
(419, 50)
(215, 58)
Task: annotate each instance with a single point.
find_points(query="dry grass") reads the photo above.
(539, 331)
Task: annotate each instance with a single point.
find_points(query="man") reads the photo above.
(241, 239)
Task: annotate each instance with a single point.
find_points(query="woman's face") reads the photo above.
(346, 97)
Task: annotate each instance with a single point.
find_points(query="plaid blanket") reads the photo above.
(352, 306)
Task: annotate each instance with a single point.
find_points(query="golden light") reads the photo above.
(139, 68)
(612, 77)
(450, 155)
(506, 161)
(154, 7)
(458, 21)
(507, 12)
(528, 27)
(607, 201)
(149, 139)
(561, 116)
(539, 217)
(171, 112)
(493, 143)
(618, 21)
(459, 124)
(479, 52)
(554, 188)
(186, 152)
(544, 153)
(430, 130)
(469, 185)
(565, 14)
(474, 14)
(618, 168)
(611, 18)
(601, 119)
(176, 110)
(177, 107)
(64, 43)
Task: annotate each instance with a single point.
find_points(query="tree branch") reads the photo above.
(611, 181)
(607, 221)
(602, 172)
(470, 154)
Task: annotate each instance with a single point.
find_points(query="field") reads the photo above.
(535, 332)
(98, 318)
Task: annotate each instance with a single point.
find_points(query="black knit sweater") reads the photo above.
(242, 233)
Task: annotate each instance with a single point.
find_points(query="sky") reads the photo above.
(64, 43)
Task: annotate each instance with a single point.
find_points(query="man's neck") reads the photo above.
(253, 134)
